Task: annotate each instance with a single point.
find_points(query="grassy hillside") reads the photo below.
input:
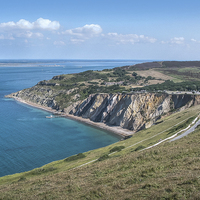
(121, 171)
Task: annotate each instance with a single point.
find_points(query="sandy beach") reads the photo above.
(114, 129)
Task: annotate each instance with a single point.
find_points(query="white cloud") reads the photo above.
(8, 37)
(196, 41)
(40, 35)
(193, 40)
(46, 24)
(29, 34)
(129, 38)
(24, 24)
(177, 40)
(26, 29)
(8, 24)
(80, 34)
(59, 43)
(38, 24)
(76, 41)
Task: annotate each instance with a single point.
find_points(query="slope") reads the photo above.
(167, 171)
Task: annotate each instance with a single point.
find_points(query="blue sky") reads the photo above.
(100, 29)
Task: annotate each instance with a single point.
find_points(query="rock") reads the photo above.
(129, 111)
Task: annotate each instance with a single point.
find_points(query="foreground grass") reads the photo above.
(168, 171)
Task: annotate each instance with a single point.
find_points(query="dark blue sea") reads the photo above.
(28, 139)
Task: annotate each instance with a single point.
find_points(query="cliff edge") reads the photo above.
(129, 111)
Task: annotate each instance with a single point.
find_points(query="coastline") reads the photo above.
(114, 129)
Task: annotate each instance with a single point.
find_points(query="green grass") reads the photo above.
(117, 148)
(189, 69)
(182, 74)
(168, 171)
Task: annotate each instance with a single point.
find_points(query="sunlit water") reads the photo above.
(27, 138)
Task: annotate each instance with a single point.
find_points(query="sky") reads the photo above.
(100, 29)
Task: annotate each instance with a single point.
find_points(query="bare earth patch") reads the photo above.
(151, 82)
(154, 73)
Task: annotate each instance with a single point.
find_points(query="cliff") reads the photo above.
(129, 111)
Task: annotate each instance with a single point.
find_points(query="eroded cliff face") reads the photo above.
(130, 111)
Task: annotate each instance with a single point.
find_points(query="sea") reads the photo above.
(27, 138)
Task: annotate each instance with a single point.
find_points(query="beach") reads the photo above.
(114, 129)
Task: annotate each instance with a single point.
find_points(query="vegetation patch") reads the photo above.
(104, 157)
(22, 179)
(117, 148)
(75, 157)
(42, 170)
(171, 86)
(159, 122)
(139, 148)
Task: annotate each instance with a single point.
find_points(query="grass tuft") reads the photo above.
(139, 148)
(104, 157)
(117, 148)
(75, 157)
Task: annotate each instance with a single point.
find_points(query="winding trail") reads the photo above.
(187, 130)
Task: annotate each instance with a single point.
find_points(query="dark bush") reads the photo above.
(139, 148)
(117, 148)
(75, 157)
(104, 157)
(42, 170)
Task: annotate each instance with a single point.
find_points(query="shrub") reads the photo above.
(42, 170)
(104, 157)
(117, 148)
(134, 74)
(75, 157)
(22, 179)
(139, 148)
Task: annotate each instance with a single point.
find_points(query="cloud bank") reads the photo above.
(81, 34)
(129, 38)
(38, 24)
(175, 40)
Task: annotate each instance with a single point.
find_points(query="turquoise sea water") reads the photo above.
(28, 139)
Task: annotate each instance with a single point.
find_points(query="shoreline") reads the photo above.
(114, 129)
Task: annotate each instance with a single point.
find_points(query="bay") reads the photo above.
(28, 139)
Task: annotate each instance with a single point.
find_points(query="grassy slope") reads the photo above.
(168, 171)
(178, 71)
